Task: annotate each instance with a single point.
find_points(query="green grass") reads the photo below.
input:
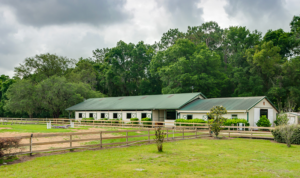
(188, 158)
(134, 138)
(28, 128)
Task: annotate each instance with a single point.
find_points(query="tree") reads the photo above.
(281, 119)
(209, 33)
(5, 83)
(55, 94)
(215, 119)
(22, 98)
(43, 66)
(282, 40)
(184, 65)
(169, 38)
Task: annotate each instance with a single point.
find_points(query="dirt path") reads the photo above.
(58, 138)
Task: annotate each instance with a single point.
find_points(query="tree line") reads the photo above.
(218, 62)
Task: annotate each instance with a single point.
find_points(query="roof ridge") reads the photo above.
(146, 95)
(238, 97)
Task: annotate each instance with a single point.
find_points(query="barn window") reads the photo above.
(171, 115)
(264, 112)
(128, 115)
(144, 115)
(102, 115)
(80, 115)
(91, 115)
(234, 116)
(189, 117)
(115, 115)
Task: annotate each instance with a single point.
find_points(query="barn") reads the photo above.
(249, 108)
(156, 107)
(169, 107)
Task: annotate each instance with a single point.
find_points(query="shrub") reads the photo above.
(281, 119)
(134, 119)
(235, 122)
(189, 121)
(115, 120)
(217, 120)
(263, 122)
(159, 138)
(279, 137)
(7, 145)
(147, 123)
(87, 119)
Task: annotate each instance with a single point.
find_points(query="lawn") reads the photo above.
(32, 128)
(188, 158)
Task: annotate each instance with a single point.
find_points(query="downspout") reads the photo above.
(247, 116)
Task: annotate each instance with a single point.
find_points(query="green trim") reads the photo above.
(247, 116)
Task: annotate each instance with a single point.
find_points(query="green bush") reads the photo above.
(281, 119)
(87, 119)
(147, 119)
(115, 120)
(263, 122)
(278, 138)
(186, 122)
(134, 119)
(235, 122)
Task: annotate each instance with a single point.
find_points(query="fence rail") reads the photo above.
(100, 137)
(70, 139)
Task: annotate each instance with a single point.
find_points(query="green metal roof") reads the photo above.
(233, 103)
(146, 102)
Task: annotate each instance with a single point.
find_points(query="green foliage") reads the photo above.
(147, 119)
(216, 120)
(134, 119)
(279, 137)
(184, 121)
(263, 122)
(281, 119)
(235, 121)
(219, 62)
(87, 119)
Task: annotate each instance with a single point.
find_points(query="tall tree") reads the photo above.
(43, 66)
(22, 97)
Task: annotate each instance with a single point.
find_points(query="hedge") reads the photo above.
(235, 122)
(147, 119)
(189, 121)
(134, 119)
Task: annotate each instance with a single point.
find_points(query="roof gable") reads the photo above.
(166, 101)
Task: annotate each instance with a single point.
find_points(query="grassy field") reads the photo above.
(188, 158)
(28, 128)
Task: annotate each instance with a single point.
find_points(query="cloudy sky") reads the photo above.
(73, 28)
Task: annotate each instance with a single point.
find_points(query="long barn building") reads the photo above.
(169, 107)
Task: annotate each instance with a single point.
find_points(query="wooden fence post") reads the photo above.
(71, 141)
(100, 139)
(196, 132)
(127, 138)
(251, 132)
(30, 147)
(183, 133)
(149, 135)
(167, 135)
